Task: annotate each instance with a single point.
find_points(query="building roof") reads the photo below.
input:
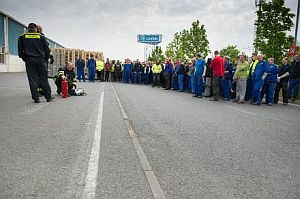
(3, 13)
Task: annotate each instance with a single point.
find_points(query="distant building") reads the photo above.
(10, 30)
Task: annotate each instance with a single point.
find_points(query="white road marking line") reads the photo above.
(240, 110)
(297, 105)
(35, 108)
(92, 174)
(152, 180)
(3, 87)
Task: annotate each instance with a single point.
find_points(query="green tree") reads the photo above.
(196, 41)
(274, 20)
(157, 55)
(187, 43)
(230, 51)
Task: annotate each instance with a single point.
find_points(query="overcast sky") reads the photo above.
(112, 26)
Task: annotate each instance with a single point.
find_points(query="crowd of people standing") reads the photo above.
(250, 79)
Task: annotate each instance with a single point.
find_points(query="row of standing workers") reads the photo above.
(249, 80)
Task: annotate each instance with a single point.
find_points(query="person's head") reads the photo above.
(227, 58)
(216, 53)
(157, 62)
(296, 57)
(118, 61)
(92, 56)
(271, 60)
(242, 57)
(284, 60)
(260, 57)
(137, 61)
(39, 29)
(80, 56)
(32, 27)
(198, 56)
(107, 59)
(254, 56)
(70, 66)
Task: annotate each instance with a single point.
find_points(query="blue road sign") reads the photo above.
(149, 39)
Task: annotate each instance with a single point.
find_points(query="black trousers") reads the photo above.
(284, 87)
(37, 74)
(216, 84)
(107, 75)
(118, 76)
(168, 80)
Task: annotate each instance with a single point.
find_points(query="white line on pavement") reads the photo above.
(3, 87)
(240, 110)
(92, 174)
(152, 180)
(292, 104)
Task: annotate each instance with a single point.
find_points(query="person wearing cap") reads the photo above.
(258, 77)
(226, 82)
(294, 79)
(249, 86)
(199, 73)
(240, 76)
(217, 66)
(33, 49)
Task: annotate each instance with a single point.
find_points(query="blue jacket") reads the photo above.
(176, 69)
(228, 67)
(91, 64)
(260, 69)
(127, 67)
(80, 64)
(168, 68)
(199, 67)
(272, 73)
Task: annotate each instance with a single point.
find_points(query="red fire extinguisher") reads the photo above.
(64, 88)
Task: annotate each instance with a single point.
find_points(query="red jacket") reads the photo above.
(107, 67)
(217, 66)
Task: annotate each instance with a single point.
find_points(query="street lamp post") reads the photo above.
(297, 22)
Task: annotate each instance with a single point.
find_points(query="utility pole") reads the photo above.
(297, 22)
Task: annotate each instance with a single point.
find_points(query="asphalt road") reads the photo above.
(150, 140)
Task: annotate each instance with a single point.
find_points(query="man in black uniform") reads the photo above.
(34, 51)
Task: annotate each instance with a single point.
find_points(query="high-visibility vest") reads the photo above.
(156, 69)
(99, 65)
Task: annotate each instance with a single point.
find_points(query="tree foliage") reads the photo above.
(230, 51)
(273, 21)
(157, 55)
(187, 43)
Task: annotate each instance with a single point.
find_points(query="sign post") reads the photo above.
(150, 40)
(292, 51)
